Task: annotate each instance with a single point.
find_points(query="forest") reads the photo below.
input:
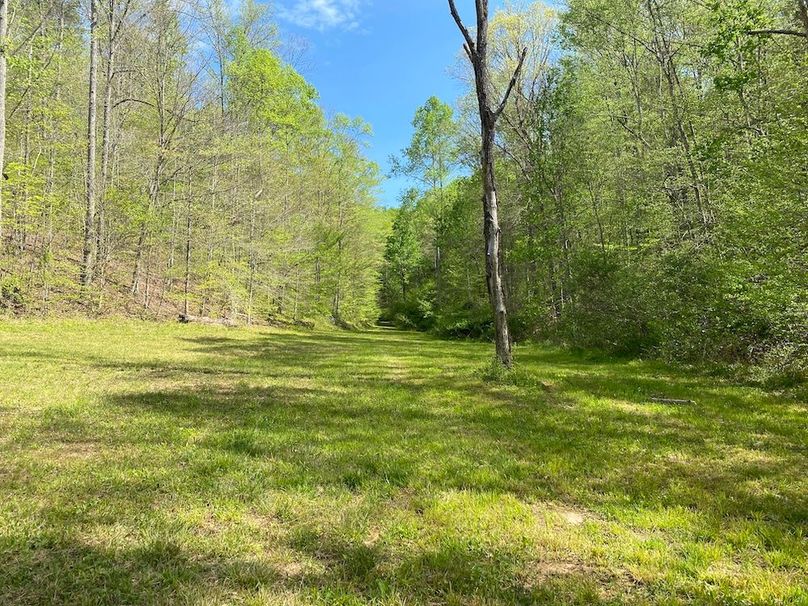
(219, 188)
(651, 165)
(653, 173)
(403, 303)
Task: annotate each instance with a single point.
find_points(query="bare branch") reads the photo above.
(482, 19)
(130, 100)
(469, 52)
(517, 72)
(34, 31)
(470, 47)
(780, 32)
(646, 45)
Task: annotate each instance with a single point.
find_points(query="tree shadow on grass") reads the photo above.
(375, 408)
(64, 570)
(463, 426)
(380, 414)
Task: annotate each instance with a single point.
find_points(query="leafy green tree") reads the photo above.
(430, 159)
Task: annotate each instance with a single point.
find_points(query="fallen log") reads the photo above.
(188, 319)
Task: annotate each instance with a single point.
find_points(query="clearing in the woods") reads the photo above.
(159, 464)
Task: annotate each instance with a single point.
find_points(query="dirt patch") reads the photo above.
(291, 570)
(73, 451)
(568, 516)
(545, 571)
(574, 518)
(609, 584)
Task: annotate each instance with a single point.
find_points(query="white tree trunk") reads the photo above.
(3, 68)
(88, 258)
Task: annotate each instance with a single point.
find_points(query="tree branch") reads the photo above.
(131, 100)
(780, 32)
(470, 47)
(512, 83)
(44, 15)
(469, 52)
(482, 21)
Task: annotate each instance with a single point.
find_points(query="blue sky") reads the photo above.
(378, 59)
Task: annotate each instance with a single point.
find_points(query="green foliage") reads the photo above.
(12, 298)
(652, 186)
(273, 94)
(402, 254)
(433, 151)
(221, 172)
(735, 52)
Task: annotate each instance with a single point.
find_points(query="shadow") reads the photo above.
(63, 570)
(381, 415)
(382, 409)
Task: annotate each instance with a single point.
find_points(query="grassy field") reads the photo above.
(166, 464)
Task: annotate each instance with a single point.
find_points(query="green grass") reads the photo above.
(161, 464)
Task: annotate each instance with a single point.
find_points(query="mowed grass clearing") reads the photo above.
(165, 464)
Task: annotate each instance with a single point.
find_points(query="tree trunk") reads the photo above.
(253, 265)
(50, 182)
(336, 311)
(3, 69)
(477, 53)
(493, 237)
(106, 138)
(88, 258)
(21, 211)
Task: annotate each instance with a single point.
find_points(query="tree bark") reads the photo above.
(50, 182)
(253, 265)
(106, 140)
(3, 69)
(477, 53)
(188, 235)
(116, 18)
(88, 258)
(21, 211)
(493, 236)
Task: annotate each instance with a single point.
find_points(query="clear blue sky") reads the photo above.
(378, 59)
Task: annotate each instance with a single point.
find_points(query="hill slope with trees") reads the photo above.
(653, 185)
(218, 186)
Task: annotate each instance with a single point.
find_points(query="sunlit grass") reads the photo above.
(160, 464)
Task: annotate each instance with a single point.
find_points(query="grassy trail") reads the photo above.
(162, 464)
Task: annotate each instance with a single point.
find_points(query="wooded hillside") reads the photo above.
(219, 188)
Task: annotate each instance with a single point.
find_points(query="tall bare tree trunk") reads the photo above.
(117, 13)
(106, 138)
(21, 211)
(3, 70)
(252, 263)
(88, 259)
(50, 182)
(188, 235)
(477, 53)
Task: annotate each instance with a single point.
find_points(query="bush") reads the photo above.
(610, 307)
(785, 366)
(12, 297)
(465, 325)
